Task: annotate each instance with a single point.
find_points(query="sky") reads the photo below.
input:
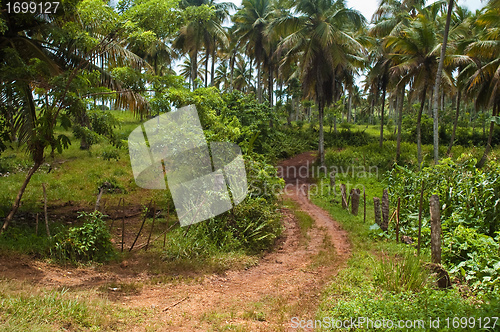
(368, 7)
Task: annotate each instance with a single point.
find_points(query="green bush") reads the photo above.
(110, 153)
(89, 242)
(345, 138)
(250, 227)
(474, 257)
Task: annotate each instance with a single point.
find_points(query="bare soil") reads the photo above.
(287, 282)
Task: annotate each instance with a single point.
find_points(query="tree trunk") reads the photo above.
(382, 117)
(231, 66)
(400, 121)
(321, 134)
(207, 53)
(17, 201)
(212, 72)
(372, 108)
(438, 83)
(481, 162)
(419, 132)
(349, 107)
(259, 87)
(194, 68)
(271, 85)
(455, 122)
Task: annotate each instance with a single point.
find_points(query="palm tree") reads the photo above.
(415, 56)
(485, 80)
(222, 76)
(252, 23)
(462, 35)
(437, 84)
(319, 36)
(242, 75)
(63, 56)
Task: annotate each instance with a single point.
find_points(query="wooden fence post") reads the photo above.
(152, 226)
(344, 196)
(397, 219)
(376, 207)
(142, 225)
(166, 225)
(385, 210)
(123, 222)
(356, 193)
(364, 204)
(420, 207)
(435, 229)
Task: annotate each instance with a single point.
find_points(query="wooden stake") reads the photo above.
(123, 222)
(152, 226)
(385, 210)
(364, 204)
(343, 194)
(397, 219)
(166, 224)
(45, 210)
(356, 193)
(98, 199)
(142, 225)
(435, 229)
(376, 208)
(420, 207)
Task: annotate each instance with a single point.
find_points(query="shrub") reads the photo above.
(110, 153)
(89, 242)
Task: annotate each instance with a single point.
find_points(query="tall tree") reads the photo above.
(252, 22)
(62, 65)
(321, 35)
(437, 84)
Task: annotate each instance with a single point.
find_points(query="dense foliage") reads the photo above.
(470, 217)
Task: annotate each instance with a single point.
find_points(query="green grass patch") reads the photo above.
(29, 308)
(305, 221)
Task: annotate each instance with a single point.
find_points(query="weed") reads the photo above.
(401, 274)
(89, 242)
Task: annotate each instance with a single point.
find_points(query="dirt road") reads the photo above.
(285, 283)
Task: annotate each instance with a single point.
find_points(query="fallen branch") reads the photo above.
(174, 304)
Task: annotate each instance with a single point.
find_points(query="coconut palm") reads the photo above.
(415, 52)
(252, 22)
(64, 58)
(319, 36)
(484, 81)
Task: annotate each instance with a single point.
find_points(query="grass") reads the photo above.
(74, 175)
(27, 307)
(305, 221)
